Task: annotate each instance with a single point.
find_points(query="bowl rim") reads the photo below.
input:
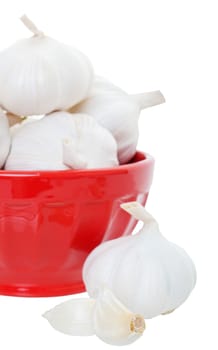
(147, 159)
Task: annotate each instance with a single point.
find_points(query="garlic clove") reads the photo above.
(113, 322)
(73, 317)
(5, 138)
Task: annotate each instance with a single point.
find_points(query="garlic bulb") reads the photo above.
(5, 139)
(118, 112)
(72, 317)
(147, 273)
(39, 75)
(105, 317)
(62, 141)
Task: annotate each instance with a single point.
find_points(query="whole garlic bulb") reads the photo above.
(61, 141)
(118, 112)
(39, 75)
(105, 317)
(147, 273)
(5, 138)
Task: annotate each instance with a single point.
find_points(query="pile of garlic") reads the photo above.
(83, 121)
(129, 279)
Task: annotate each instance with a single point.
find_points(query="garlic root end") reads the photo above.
(137, 324)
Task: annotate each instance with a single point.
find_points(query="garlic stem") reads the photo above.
(148, 99)
(31, 26)
(138, 212)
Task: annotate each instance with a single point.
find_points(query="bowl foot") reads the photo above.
(41, 291)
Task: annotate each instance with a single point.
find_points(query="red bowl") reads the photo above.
(51, 220)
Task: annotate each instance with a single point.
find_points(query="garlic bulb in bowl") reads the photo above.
(61, 141)
(118, 112)
(147, 273)
(5, 139)
(39, 75)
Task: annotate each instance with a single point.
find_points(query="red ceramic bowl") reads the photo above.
(51, 220)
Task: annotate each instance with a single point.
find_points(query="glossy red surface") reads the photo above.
(51, 220)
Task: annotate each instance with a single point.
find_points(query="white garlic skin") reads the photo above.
(113, 322)
(41, 145)
(72, 317)
(147, 273)
(39, 75)
(5, 138)
(118, 112)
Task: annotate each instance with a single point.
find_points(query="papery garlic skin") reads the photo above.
(113, 322)
(41, 145)
(147, 273)
(72, 317)
(5, 138)
(118, 112)
(14, 119)
(39, 75)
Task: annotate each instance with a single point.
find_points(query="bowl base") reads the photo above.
(40, 291)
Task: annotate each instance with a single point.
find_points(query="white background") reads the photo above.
(145, 45)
